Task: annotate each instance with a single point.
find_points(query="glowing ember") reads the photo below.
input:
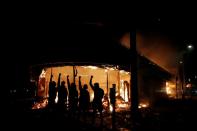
(122, 105)
(143, 105)
(189, 85)
(40, 105)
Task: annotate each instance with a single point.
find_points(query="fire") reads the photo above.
(116, 76)
(126, 95)
(149, 47)
(110, 108)
(124, 92)
(122, 105)
(189, 85)
(56, 98)
(43, 74)
(91, 97)
(121, 89)
(170, 89)
(40, 105)
(143, 105)
(92, 67)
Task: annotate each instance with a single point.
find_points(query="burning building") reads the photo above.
(83, 47)
(105, 75)
(153, 81)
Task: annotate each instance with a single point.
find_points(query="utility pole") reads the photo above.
(188, 49)
(133, 85)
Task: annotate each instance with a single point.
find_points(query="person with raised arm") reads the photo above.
(97, 100)
(84, 99)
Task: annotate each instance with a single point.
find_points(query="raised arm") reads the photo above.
(91, 85)
(51, 78)
(80, 86)
(68, 82)
(58, 83)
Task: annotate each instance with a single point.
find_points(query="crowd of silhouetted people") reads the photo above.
(69, 100)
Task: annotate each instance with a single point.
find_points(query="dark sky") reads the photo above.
(178, 24)
(34, 29)
(175, 30)
(31, 33)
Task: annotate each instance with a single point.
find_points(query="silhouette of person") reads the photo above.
(73, 96)
(112, 94)
(52, 92)
(62, 93)
(84, 99)
(97, 101)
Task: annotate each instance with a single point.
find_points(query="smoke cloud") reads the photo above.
(156, 47)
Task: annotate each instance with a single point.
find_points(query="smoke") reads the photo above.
(156, 47)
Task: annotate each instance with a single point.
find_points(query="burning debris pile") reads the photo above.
(41, 104)
(121, 104)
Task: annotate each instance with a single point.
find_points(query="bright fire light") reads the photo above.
(111, 108)
(92, 67)
(189, 85)
(122, 105)
(43, 74)
(56, 98)
(170, 89)
(121, 89)
(40, 105)
(126, 95)
(91, 97)
(112, 69)
(142, 105)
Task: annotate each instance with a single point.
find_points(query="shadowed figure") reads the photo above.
(52, 92)
(97, 101)
(84, 99)
(62, 93)
(73, 96)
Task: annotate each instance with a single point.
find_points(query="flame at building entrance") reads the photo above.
(105, 76)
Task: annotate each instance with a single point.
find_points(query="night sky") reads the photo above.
(32, 33)
(179, 28)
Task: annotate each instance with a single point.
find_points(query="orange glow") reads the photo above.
(43, 74)
(56, 98)
(189, 85)
(111, 108)
(40, 105)
(122, 105)
(115, 76)
(143, 105)
(154, 46)
(170, 89)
